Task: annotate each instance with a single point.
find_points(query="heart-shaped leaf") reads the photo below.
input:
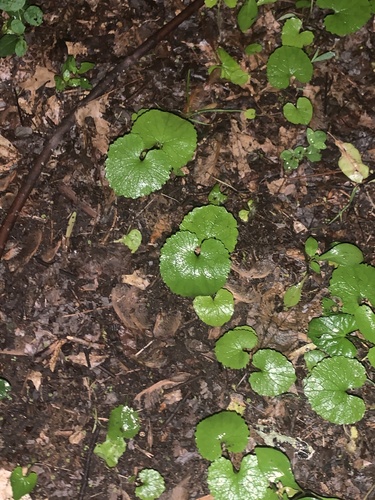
(226, 428)
(217, 310)
(316, 138)
(231, 348)
(212, 222)
(349, 15)
(299, 114)
(286, 62)
(329, 334)
(190, 268)
(230, 69)
(291, 34)
(21, 485)
(124, 422)
(326, 389)
(276, 375)
(152, 484)
(132, 240)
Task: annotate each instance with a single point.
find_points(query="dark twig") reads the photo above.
(102, 87)
(86, 470)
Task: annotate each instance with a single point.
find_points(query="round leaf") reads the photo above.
(299, 114)
(124, 422)
(291, 34)
(212, 222)
(175, 136)
(276, 375)
(33, 15)
(349, 16)
(191, 270)
(153, 485)
(231, 348)
(329, 334)
(326, 388)
(215, 311)
(12, 5)
(286, 62)
(17, 27)
(224, 428)
(132, 240)
(226, 484)
(132, 175)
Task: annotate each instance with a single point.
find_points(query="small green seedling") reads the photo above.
(152, 485)
(253, 48)
(71, 75)
(22, 484)
(142, 161)
(348, 16)
(217, 310)
(291, 35)
(5, 389)
(293, 294)
(229, 69)
(247, 15)
(232, 349)
(123, 424)
(19, 15)
(132, 240)
(216, 196)
(248, 213)
(300, 114)
(293, 157)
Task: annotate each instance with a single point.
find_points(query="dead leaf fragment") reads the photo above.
(152, 394)
(36, 378)
(136, 279)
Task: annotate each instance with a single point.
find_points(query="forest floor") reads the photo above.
(86, 325)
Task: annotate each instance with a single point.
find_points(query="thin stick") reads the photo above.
(101, 88)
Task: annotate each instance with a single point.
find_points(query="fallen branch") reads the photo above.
(101, 88)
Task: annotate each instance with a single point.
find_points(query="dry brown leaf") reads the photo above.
(136, 279)
(281, 186)
(181, 491)
(76, 49)
(36, 378)
(95, 109)
(8, 154)
(166, 325)
(206, 165)
(163, 225)
(42, 76)
(80, 359)
(28, 250)
(77, 436)
(151, 395)
(56, 346)
(130, 308)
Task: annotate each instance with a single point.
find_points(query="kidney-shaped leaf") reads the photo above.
(299, 114)
(326, 388)
(291, 34)
(152, 485)
(225, 428)
(286, 62)
(231, 348)
(123, 422)
(354, 285)
(190, 269)
(276, 467)
(226, 484)
(329, 334)
(212, 222)
(276, 375)
(349, 16)
(217, 310)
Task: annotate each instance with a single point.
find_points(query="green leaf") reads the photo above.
(353, 285)
(371, 356)
(230, 3)
(190, 268)
(276, 375)
(315, 267)
(247, 15)
(216, 197)
(22, 485)
(250, 114)
(231, 348)
(350, 162)
(349, 16)
(153, 484)
(111, 450)
(230, 69)
(8, 45)
(317, 138)
(215, 311)
(210, 3)
(21, 47)
(291, 34)
(124, 422)
(175, 136)
(226, 484)
(276, 467)
(212, 222)
(12, 5)
(365, 319)
(17, 27)
(326, 389)
(329, 334)
(131, 176)
(132, 240)
(226, 428)
(5, 389)
(299, 114)
(312, 358)
(293, 295)
(33, 15)
(286, 62)
(344, 254)
(84, 67)
(311, 246)
(253, 48)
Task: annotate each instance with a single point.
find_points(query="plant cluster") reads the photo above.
(70, 76)
(292, 157)
(18, 14)
(195, 262)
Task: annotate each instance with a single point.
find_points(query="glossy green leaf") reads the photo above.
(212, 222)
(276, 467)
(226, 428)
(230, 69)
(152, 485)
(111, 450)
(231, 349)
(33, 15)
(315, 266)
(371, 356)
(329, 334)
(349, 16)
(253, 48)
(276, 375)
(299, 114)
(291, 34)
(11, 5)
(365, 319)
(190, 268)
(132, 240)
(316, 138)
(5, 389)
(344, 254)
(286, 62)
(312, 358)
(124, 422)
(311, 246)
(326, 389)
(350, 163)
(8, 45)
(215, 311)
(22, 485)
(353, 285)
(293, 294)
(216, 197)
(247, 15)
(226, 484)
